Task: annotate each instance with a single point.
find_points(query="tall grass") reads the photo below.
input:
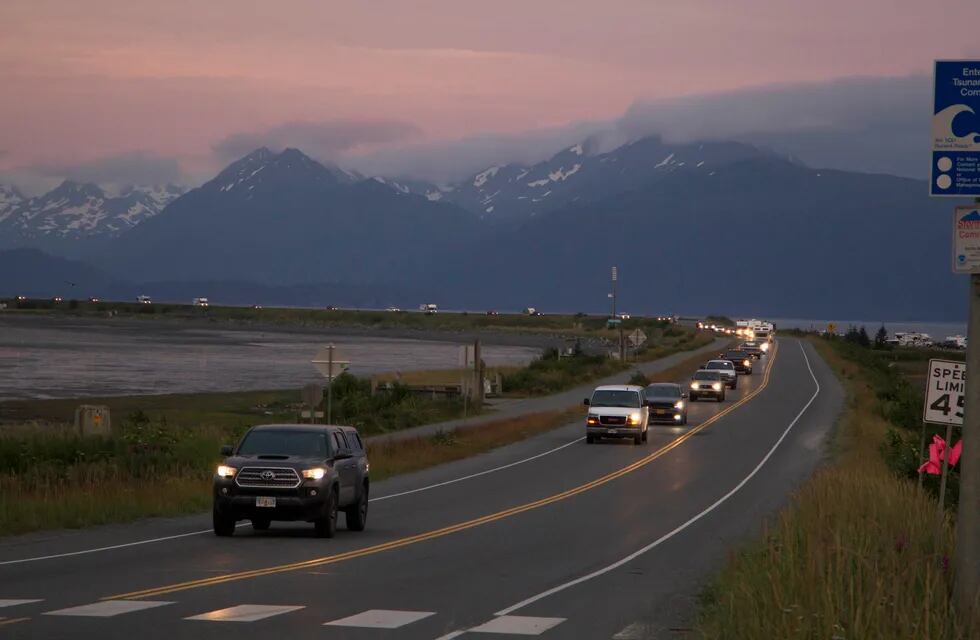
(856, 554)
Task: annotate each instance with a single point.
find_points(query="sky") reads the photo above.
(139, 91)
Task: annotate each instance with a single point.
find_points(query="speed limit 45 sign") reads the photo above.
(945, 392)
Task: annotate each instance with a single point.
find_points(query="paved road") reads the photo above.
(582, 541)
(556, 401)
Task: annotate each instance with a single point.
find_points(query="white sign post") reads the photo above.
(329, 362)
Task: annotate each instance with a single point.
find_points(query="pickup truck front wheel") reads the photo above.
(326, 525)
(223, 525)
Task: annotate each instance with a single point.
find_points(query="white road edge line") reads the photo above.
(682, 527)
(203, 531)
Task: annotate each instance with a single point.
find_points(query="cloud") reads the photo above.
(326, 140)
(866, 124)
(135, 167)
(873, 124)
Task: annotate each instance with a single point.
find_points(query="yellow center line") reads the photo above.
(6, 621)
(462, 526)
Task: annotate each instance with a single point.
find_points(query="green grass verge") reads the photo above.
(854, 555)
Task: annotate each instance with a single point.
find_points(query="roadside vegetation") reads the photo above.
(857, 552)
(551, 373)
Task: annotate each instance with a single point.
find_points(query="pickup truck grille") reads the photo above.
(268, 478)
(613, 420)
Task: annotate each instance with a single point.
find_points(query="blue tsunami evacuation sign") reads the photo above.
(956, 129)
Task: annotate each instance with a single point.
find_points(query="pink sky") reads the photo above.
(84, 80)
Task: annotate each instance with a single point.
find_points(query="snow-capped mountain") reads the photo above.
(10, 199)
(74, 210)
(580, 175)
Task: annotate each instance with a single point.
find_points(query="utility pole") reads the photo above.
(615, 278)
(967, 558)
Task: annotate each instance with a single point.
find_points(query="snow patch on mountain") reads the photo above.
(481, 178)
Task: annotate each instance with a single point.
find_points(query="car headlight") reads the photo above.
(635, 418)
(314, 474)
(694, 385)
(225, 471)
(592, 419)
(716, 386)
(679, 404)
(747, 362)
(765, 346)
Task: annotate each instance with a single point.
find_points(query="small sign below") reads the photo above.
(945, 392)
(637, 337)
(966, 239)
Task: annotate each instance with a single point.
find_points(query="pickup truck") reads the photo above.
(292, 472)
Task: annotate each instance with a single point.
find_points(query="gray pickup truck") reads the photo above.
(293, 472)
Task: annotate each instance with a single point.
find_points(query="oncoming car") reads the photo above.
(741, 360)
(707, 383)
(617, 411)
(666, 402)
(293, 472)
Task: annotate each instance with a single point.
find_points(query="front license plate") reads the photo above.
(265, 501)
(611, 431)
(661, 412)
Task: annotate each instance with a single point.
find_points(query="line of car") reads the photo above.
(313, 472)
(627, 411)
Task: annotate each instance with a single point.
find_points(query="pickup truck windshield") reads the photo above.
(604, 398)
(663, 391)
(707, 375)
(284, 443)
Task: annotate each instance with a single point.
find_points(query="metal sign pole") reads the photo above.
(967, 558)
(330, 386)
(941, 510)
(922, 451)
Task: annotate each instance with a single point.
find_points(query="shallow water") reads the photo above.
(65, 359)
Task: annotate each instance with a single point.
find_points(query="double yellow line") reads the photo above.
(462, 526)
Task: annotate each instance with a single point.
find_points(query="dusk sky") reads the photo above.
(180, 87)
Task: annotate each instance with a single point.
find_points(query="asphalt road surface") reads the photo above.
(567, 540)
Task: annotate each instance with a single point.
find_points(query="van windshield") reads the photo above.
(609, 398)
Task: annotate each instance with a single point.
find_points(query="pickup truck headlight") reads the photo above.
(634, 418)
(746, 362)
(225, 471)
(716, 386)
(592, 419)
(679, 404)
(314, 474)
(764, 346)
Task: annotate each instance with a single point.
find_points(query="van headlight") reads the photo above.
(314, 474)
(635, 418)
(225, 471)
(592, 419)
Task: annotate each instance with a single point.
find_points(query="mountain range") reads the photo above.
(73, 212)
(710, 226)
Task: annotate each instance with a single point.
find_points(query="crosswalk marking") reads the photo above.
(108, 608)
(518, 625)
(381, 619)
(15, 602)
(244, 613)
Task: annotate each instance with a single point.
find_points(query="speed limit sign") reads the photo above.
(945, 392)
